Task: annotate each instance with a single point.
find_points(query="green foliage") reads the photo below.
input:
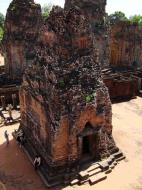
(90, 97)
(1, 33)
(2, 20)
(33, 4)
(1, 26)
(116, 17)
(13, 8)
(136, 19)
(46, 10)
(61, 83)
(120, 16)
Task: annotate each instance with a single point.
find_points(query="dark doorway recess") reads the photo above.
(86, 145)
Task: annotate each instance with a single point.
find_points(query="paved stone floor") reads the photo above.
(1, 60)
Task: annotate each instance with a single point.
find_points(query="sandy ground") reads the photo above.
(18, 174)
(1, 60)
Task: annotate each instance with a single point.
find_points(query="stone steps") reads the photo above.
(97, 178)
(104, 165)
(74, 182)
(83, 182)
(112, 166)
(83, 175)
(97, 172)
(94, 172)
(93, 167)
(121, 158)
(108, 171)
(118, 154)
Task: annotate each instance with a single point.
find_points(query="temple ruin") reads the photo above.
(66, 111)
(19, 37)
(123, 77)
(118, 47)
(126, 45)
(72, 63)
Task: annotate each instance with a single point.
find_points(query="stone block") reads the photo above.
(83, 175)
(97, 178)
(93, 167)
(74, 182)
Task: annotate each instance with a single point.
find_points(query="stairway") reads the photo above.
(89, 173)
(98, 171)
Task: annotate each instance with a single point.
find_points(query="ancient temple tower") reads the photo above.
(95, 11)
(65, 106)
(21, 27)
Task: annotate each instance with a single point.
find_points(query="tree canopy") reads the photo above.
(1, 33)
(137, 19)
(116, 17)
(46, 10)
(120, 16)
(1, 26)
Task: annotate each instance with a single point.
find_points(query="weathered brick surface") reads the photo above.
(125, 45)
(21, 28)
(63, 98)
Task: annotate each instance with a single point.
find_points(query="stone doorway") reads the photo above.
(86, 148)
(86, 145)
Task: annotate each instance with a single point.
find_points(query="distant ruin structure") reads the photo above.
(125, 45)
(123, 77)
(21, 28)
(22, 23)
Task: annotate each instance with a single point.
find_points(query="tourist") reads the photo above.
(37, 162)
(2, 116)
(20, 140)
(10, 112)
(6, 135)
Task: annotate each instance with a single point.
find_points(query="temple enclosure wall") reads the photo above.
(125, 45)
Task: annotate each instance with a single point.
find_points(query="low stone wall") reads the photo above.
(6, 94)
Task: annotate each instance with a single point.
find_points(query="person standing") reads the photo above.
(2, 117)
(10, 112)
(6, 135)
(37, 162)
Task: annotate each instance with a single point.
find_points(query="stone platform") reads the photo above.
(91, 173)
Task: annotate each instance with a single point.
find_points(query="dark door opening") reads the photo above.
(86, 145)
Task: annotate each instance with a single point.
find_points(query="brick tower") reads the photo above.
(65, 106)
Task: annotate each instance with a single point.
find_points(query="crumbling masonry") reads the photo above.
(65, 106)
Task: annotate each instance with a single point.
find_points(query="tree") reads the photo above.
(137, 19)
(116, 17)
(1, 26)
(2, 20)
(1, 33)
(46, 10)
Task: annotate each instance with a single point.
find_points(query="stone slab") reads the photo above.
(97, 178)
(94, 172)
(83, 175)
(74, 182)
(104, 165)
(93, 167)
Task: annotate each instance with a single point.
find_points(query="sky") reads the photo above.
(129, 7)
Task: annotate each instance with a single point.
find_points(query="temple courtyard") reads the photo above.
(17, 173)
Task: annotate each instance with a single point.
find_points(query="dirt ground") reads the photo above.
(1, 60)
(17, 173)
